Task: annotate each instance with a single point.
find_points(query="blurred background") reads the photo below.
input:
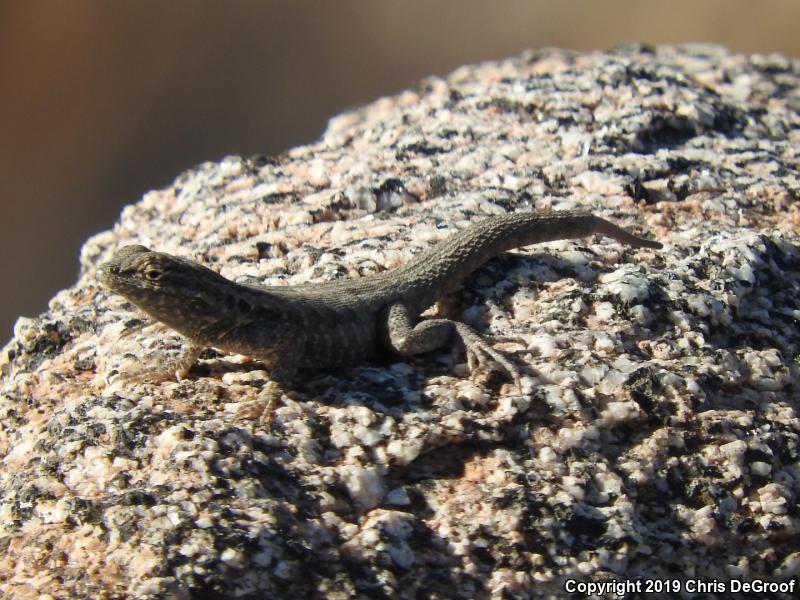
(102, 101)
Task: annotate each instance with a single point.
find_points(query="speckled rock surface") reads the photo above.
(658, 437)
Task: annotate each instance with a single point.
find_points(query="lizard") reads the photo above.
(341, 322)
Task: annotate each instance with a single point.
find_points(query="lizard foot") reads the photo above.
(262, 408)
(133, 371)
(172, 369)
(480, 354)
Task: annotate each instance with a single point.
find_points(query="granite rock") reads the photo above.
(658, 437)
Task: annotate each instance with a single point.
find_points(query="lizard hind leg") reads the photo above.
(406, 338)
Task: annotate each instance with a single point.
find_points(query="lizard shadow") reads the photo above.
(298, 532)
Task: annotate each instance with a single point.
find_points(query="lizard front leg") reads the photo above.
(281, 361)
(173, 368)
(407, 337)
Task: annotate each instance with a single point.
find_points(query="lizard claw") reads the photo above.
(480, 355)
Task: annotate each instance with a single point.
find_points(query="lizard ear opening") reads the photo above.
(198, 305)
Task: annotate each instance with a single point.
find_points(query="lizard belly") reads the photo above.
(337, 344)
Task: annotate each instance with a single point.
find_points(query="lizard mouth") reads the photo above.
(113, 278)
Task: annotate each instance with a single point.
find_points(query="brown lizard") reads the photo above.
(341, 322)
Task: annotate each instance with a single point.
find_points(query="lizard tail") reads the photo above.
(456, 257)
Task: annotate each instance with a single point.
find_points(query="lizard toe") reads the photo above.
(481, 355)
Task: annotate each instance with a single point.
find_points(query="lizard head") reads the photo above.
(185, 295)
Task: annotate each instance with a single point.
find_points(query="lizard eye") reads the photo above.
(152, 274)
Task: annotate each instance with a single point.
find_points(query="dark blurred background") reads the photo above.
(102, 101)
